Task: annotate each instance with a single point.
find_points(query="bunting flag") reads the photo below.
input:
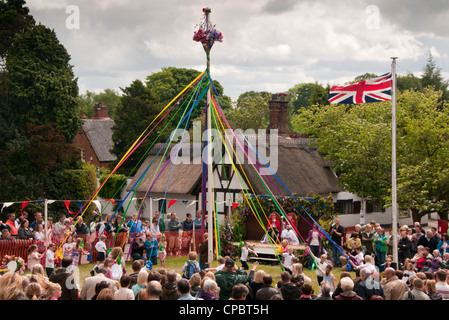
(112, 200)
(234, 205)
(192, 203)
(98, 204)
(67, 205)
(7, 204)
(24, 204)
(172, 202)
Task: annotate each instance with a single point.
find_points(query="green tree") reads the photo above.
(357, 139)
(14, 19)
(137, 110)
(40, 82)
(363, 77)
(423, 153)
(432, 77)
(301, 94)
(167, 83)
(409, 82)
(251, 111)
(109, 97)
(38, 115)
(141, 102)
(320, 95)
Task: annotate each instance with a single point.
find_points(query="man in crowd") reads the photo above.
(228, 278)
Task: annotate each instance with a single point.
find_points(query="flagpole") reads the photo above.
(394, 202)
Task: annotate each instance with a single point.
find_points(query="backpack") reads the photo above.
(190, 269)
(410, 295)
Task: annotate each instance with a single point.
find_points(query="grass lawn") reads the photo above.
(176, 263)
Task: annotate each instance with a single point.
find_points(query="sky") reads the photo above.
(268, 45)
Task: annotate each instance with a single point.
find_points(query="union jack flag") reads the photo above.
(371, 90)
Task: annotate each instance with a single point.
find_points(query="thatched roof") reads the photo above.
(182, 180)
(99, 133)
(301, 168)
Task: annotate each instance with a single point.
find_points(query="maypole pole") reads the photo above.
(210, 195)
(394, 202)
(207, 35)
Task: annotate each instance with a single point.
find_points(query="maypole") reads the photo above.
(207, 35)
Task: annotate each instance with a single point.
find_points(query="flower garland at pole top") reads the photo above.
(206, 33)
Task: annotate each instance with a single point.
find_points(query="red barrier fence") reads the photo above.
(19, 247)
(177, 243)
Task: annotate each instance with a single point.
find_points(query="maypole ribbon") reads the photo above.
(266, 187)
(261, 179)
(249, 201)
(169, 140)
(133, 147)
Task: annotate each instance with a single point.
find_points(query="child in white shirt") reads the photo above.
(100, 246)
(287, 257)
(50, 259)
(243, 258)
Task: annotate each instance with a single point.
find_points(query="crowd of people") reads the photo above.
(365, 258)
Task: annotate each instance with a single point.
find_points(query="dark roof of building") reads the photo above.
(162, 176)
(301, 169)
(99, 133)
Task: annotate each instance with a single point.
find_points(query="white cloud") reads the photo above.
(268, 45)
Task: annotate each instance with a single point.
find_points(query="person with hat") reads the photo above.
(273, 228)
(228, 277)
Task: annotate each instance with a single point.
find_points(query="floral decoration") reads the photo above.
(206, 33)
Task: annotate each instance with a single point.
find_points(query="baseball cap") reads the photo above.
(229, 263)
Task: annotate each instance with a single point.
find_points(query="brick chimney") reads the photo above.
(100, 111)
(278, 106)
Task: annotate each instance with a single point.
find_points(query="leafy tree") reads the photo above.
(365, 76)
(167, 83)
(141, 102)
(38, 118)
(251, 111)
(301, 94)
(320, 95)
(138, 109)
(304, 95)
(432, 77)
(109, 97)
(423, 153)
(40, 82)
(14, 19)
(357, 139)
(409, 82)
